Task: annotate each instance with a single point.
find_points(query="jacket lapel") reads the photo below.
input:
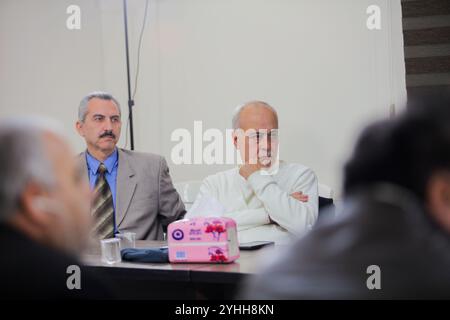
(81, 158)
(126, 185)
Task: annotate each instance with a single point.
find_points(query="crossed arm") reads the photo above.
(294, 212)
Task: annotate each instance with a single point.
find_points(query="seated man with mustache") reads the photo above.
(268, 199)
(133, 191)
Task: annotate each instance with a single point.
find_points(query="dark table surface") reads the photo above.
(172, 277)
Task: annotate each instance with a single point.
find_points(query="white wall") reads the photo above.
(314, 60)
(44, 68)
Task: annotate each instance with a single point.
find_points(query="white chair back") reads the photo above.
(188, 191)
(325, 191)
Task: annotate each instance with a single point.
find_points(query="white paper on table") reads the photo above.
(206, 206)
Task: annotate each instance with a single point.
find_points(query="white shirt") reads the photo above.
(253, 203)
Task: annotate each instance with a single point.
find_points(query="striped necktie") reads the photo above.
(102, 207)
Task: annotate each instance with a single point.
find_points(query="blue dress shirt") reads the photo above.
(111, 164)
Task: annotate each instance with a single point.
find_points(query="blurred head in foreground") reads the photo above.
(412, 152)
(391, 238)
(42, 192)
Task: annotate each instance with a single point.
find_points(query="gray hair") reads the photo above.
(82, 109)
(22, 159)
(240, 108)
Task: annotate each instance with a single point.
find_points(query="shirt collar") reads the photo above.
(109, 163)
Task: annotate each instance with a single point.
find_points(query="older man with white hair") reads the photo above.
(270, 200)
(44, 213)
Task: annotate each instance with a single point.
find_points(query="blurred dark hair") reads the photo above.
(405, 151)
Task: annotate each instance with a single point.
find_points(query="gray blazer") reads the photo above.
(146, 200)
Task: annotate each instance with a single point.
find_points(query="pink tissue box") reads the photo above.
(203, 239)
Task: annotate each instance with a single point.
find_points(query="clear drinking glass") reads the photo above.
(127, 239)
(111, 250)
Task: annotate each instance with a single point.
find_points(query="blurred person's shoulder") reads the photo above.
(372, 228)
(33, 271)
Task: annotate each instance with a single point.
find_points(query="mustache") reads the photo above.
(108, 133)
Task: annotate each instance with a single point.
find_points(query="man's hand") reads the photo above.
(300, 196)
(247, 169)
